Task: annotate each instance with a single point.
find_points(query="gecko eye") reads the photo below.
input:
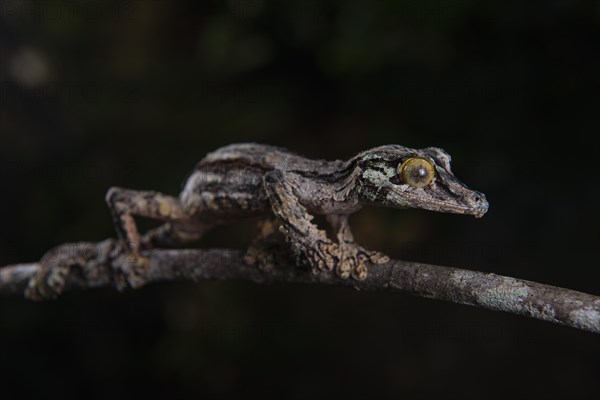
(417, 172)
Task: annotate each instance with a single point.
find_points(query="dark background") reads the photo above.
(134, 93)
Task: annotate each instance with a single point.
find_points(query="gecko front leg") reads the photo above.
(352, 257)
(308, 242)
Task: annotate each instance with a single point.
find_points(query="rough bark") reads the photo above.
(485, 290)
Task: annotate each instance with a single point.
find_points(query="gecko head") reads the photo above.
(399, 177)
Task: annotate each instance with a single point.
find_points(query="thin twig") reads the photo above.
(485, 290)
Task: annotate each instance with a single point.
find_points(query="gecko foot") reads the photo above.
(353, 260)
(260, 256)
(55, 267)
(321, 256)
(131, 271)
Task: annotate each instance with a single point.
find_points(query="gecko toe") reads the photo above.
(261, 257)
(378, 258)
(354, 259)
(344, 268)
(132, 272)
(328, 253)
(321, 265)
(49, 282)
(359, 272)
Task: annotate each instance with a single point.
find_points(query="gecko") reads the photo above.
(286, 191)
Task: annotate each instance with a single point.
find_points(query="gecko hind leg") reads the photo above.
(124, 204)
(181, 228)
(174, 234)
(58, 263)
(352, 257)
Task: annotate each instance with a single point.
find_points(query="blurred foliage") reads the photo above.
(100, 93)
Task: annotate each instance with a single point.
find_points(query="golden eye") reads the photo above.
(417, 172)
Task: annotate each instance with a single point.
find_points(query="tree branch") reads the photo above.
(485, 290)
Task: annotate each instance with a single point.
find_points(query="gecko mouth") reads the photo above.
(471, 203)
(481, 209)
(454, 208)
(477, 211)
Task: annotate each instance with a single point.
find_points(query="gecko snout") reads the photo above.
(479, 204)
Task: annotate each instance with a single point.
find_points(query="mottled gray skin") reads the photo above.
(249, 179)
(234, 181)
